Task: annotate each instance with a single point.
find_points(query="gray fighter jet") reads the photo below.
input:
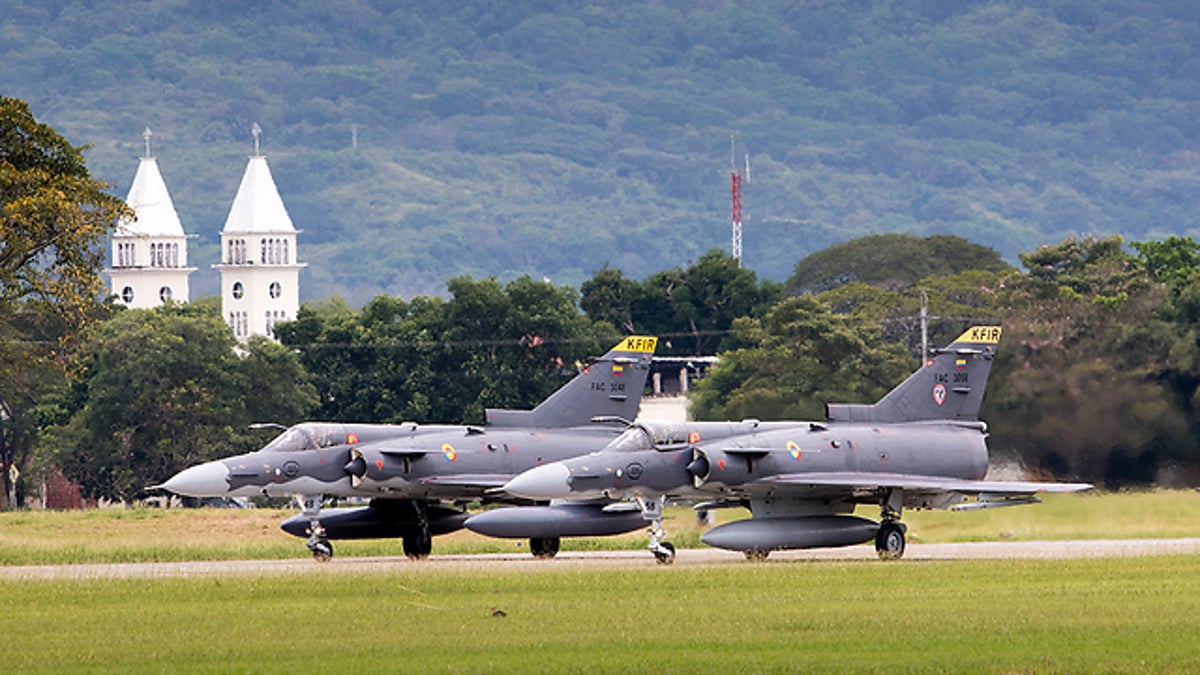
(921, 446)
(419, 477)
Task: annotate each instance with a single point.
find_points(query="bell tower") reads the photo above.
(260, 273)
(149, 252)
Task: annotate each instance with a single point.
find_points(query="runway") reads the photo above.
(523, 563)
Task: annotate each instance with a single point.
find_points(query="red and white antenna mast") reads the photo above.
(735, 180)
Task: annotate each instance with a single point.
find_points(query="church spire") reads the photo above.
(149, 256)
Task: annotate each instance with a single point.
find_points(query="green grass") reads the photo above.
(146, 535)
(1119, 614)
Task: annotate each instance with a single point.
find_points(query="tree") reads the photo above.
(53, 222)
(1084, 383)
(799, 357)
(435, 360)
(691, 309)
(953, 301)
(892, 261)
(167, 388)
(607, 296)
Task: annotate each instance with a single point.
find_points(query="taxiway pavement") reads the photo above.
(524, 563)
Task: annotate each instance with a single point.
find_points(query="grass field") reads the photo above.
(1118, 614)
(1115, 614)
(148, 535)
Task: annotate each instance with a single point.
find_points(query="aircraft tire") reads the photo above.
(665, 555)
(756, 555)
(418, 546)
(544, 548)
(889, 542)
(322, 550)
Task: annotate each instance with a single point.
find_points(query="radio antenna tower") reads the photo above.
(735, 180)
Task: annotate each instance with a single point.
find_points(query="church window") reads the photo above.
(165, 293)
(276, 289)
(237, 252)
(127, 294)
(285, 252)
(238, 290)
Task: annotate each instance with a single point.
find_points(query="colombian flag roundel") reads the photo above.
(448, 451)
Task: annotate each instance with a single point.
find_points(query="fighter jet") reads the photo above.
(419, 477)
(921, 446)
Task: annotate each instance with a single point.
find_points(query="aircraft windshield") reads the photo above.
(308, 436)
(648, 436)
(633, 439)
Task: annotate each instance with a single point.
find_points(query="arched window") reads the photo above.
(285, 252)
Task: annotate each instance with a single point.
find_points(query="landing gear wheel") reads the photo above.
(418, 546)
(321, 549)
(756, 555)
(544, 548)
(665, 553)
(889, 542)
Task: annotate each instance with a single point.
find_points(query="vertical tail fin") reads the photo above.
(949, 386)
(610, 387)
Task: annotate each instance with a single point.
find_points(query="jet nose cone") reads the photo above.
(204, 480)
(551, 481)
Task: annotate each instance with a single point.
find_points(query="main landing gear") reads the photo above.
(664, 551)
(317, 543)
(419, 544)
(544, 548)
(889, 541)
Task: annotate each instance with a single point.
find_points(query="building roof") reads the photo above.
(257, 206)
(150, 200)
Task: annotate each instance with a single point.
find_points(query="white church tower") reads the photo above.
(260, 275)
(149, 254)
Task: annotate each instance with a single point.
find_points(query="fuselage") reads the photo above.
(400, 461)
(740, 466)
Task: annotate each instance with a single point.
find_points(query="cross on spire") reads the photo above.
(257, 131)
(146, 135)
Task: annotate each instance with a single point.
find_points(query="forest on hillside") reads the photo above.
(415, 142)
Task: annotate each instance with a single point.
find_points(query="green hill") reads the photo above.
(553, 138)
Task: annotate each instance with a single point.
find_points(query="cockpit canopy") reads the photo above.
(319, 435)
(310, 436)
(650, 436)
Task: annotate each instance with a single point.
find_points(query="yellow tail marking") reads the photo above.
(637, 343)
(981, 335)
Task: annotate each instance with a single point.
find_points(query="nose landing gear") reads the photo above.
(664, 552)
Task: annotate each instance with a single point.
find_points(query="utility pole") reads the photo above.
(924, 325)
